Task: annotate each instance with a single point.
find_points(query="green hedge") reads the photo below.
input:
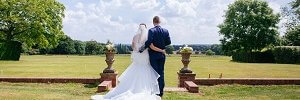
(254, 57)
(287, 54)
(10, 50)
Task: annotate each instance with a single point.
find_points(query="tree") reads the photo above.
(93, 47)
(169, 49)
(292, 15)
(217, 48)
(31, 22)
(99, 48)
(249, 25)
(90, 47)
(292, 37)
(210, 52)
(79, 47)
(122, 49)
(65, 46)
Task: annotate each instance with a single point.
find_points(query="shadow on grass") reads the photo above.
(92, 85)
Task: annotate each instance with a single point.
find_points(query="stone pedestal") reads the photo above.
(182, 77)
(109, 77)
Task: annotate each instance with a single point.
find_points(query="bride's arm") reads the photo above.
(133, 46)
(156, 48)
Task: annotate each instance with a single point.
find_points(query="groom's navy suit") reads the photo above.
(160, 38)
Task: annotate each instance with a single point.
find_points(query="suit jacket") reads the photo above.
(160, 38)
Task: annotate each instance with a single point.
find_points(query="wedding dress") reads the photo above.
(139, 80)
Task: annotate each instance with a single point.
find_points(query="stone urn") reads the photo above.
(109, 61)
(185, 60)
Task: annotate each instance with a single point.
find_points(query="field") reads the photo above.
(34, 91)
(91, 66)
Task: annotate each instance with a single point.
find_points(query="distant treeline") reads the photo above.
(203, 48)
(66, 45)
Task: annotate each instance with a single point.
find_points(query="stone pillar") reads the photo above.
(110, 77)
(182, 77)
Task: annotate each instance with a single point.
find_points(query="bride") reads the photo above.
(139, 80)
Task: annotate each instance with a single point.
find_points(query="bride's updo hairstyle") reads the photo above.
(156, 20)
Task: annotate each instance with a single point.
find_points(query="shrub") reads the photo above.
(10, 50)
(197, 52)
(287, 54)
(254, 57)
(210, 52)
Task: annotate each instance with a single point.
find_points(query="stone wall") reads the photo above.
(248, 81)
(49, 80)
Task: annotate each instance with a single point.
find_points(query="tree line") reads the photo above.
(66, 45)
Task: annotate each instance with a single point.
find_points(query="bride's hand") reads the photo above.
(157, 49)
(164, 52)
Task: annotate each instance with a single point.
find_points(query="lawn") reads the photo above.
(91, 66)
(35, 91)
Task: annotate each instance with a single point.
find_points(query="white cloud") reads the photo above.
(143, 4)
(188, 21)
(275, 6)
(79, 5)
(180, 8)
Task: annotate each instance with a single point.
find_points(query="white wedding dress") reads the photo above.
(139, 80)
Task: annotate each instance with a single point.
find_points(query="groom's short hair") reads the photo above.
(156, 19)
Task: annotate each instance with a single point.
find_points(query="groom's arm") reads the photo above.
(150, 39)
(168, 39)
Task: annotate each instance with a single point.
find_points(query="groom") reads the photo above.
(160, 38)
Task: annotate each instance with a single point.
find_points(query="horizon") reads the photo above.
(189, 22)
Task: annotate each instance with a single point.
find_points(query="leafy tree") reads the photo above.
(79, 47)
(210, 52)
(249, 25)
(31, 22)
(99, 48)
(90, 47)
(122, 49)
(292, 37)
(217, 48)
(93, 47)
(292, 15)
(169, 49)
(65, 46)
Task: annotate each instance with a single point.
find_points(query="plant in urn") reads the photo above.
(185, 54)
(110, 55)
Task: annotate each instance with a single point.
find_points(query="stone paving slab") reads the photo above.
(175, 89)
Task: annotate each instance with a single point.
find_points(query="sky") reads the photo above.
(188, 21)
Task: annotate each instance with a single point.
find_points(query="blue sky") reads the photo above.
(188, 21)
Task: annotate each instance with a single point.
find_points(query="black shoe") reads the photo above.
(159, 95)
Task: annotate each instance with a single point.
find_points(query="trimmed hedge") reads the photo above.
(287, 54)
(10, 50)
(254, 57)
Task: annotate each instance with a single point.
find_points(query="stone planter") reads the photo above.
(109, 61)
(185, 60)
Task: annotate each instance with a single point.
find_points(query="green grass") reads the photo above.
(34, 91)
(91, 66)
